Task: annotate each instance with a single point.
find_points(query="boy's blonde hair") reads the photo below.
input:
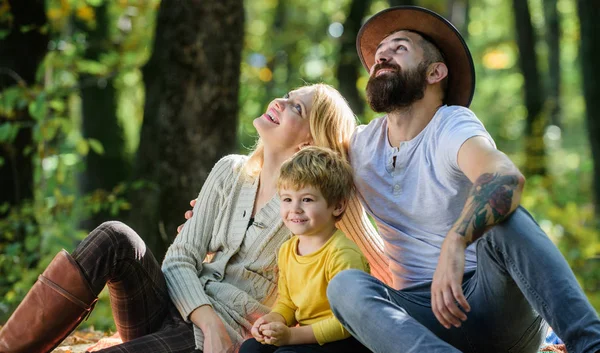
(320, 168)
(332, 122)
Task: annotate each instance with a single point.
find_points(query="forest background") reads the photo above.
(119, 109)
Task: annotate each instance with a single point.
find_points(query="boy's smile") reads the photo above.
(305, 212)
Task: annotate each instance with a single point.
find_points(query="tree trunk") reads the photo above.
(590, 57)
(22, 52)
(535, 163)
(458, 15)
(279, 58)
(349, 67)
(100, 122)
(190, 114)
(553, 42)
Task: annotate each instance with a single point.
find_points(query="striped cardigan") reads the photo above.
(239, 276)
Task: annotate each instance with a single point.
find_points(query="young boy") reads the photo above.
(313, 186)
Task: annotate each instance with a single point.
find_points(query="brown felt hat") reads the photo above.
(461, 72)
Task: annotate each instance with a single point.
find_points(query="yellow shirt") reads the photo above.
(303, 284)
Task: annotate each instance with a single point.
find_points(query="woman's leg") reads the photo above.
(53, 307)
(174, 336)
(114, 254)
(65, 293)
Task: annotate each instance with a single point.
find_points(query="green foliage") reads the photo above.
(571, 225)
(34, 231)
(31, 234)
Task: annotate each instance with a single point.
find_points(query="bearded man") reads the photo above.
(472, 271)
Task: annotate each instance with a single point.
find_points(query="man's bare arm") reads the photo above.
(496, 191)
(493, 197)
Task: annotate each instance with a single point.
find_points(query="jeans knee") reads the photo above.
(519, 228)
(343, 286)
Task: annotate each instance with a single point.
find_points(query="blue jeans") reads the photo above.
(521, 282)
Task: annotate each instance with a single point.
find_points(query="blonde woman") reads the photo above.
(193, 304)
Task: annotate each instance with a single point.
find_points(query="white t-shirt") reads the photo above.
(416, 200)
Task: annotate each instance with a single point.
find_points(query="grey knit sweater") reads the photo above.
(220, 260)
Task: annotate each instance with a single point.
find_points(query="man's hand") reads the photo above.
(187, 215)
(446, 288)
(276, 333)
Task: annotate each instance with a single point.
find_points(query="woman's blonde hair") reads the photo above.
(331, 125)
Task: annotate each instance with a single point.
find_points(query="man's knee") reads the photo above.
(345, 285)
(520, 226)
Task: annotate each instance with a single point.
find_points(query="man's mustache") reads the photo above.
(385, 65)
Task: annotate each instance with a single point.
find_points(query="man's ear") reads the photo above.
(437, 72)
(340, 208)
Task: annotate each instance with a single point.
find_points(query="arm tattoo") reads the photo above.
(489, 202)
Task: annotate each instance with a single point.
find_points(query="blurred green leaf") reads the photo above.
(27, 150)
(82, 147)
(8, 132)
(96, 146)
(32, 243)
(37, 109)
(46, 64)
(27, 28)
(92, 67)
(9, 99)
(57, 105)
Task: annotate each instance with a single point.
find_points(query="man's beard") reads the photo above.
(396, 90)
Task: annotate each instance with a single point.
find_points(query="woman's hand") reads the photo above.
(216, 338)
(276, 333)
(187, 215)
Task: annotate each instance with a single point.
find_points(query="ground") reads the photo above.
(81, 340)
(94, 340)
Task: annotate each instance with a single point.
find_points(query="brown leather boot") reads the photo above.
(59, 300)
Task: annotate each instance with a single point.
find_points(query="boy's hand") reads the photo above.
(276, 333)
(187, 215)
(256, 332)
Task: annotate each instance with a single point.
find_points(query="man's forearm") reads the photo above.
(493, 197)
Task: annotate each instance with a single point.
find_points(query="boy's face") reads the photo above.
(305, 211)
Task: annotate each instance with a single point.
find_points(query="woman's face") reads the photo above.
(286, 123)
